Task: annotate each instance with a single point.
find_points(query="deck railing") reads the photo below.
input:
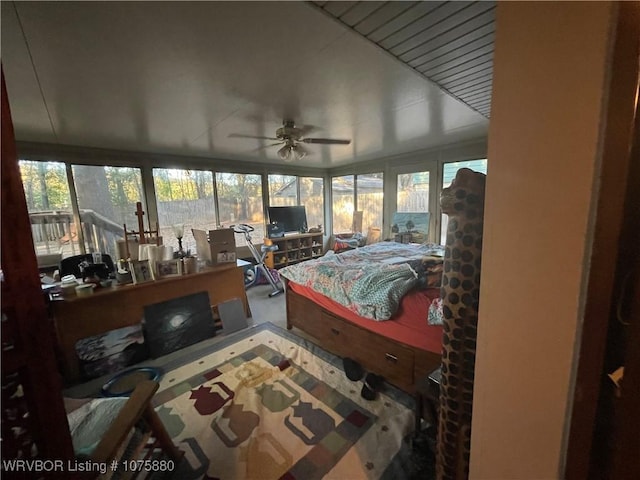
(55, 233)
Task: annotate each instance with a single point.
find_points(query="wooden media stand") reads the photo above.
(294, 249)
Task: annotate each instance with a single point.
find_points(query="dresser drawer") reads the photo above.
(375, 353)
(304, 314)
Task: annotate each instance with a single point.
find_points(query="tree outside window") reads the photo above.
(240, 201)
(49, 204)
(184, 197)
(107, 198)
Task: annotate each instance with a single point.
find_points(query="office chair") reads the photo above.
(71, 265)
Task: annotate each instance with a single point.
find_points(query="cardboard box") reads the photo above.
(221, 249)
(216, 248)
(203, 252)
(222, 243)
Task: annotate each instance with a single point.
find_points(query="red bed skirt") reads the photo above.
(408, 325)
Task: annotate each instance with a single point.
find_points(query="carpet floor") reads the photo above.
(266, 403)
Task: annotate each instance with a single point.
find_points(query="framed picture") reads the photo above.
(111, 351)
(140, 271)
(168, 268)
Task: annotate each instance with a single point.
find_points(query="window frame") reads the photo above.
(431, 160)
(432, 166)
(442, 235)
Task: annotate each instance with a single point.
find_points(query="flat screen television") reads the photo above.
(290, 219)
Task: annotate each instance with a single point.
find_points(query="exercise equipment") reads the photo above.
(260, 268)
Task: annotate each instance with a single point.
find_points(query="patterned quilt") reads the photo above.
(371, 280)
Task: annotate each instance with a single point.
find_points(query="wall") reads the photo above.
(549, 74)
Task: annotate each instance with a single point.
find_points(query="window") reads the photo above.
(343, 189)
(49, 204)
(184, 197)
(449, 173)
(240, 201)
(312, 197)
(283, 190)
(413, 192)
(369, 199)
(107, 198)
(357, 193)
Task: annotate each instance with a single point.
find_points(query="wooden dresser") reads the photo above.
(400, 364)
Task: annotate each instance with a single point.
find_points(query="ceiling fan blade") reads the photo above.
(267, 146)
(240, 135)
(326, 141)
(307, 129)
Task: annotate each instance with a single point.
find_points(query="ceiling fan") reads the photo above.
(291, 137)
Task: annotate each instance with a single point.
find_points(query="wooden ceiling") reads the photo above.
(183, 77)
(450, 43)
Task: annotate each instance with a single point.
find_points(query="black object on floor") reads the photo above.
(414, 461)
(372, 385)
(174, 324)
(353, 369)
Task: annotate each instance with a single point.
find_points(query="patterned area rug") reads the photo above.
(268, 404)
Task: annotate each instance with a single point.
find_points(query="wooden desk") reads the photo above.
(122, 306)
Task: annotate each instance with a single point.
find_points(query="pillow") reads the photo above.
(435, 316)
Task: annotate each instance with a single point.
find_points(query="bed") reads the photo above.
(371, 304)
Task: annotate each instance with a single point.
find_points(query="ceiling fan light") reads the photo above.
(299, 151)
(285, 153)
